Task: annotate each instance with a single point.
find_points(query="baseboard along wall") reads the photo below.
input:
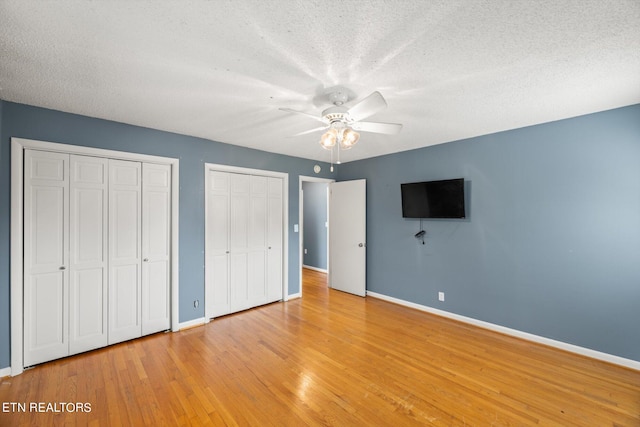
(594, 354)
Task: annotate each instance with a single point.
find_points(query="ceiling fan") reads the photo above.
(342, 123)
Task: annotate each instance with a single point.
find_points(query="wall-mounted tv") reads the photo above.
(433, 199)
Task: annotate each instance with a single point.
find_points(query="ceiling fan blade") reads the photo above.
(367, 107)
(311, 131)
(289, 110)
(386, 128)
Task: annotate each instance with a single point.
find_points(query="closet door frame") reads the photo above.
(285, 219)
(18, 146)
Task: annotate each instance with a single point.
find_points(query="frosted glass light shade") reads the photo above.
(349, 139)
(328, 140)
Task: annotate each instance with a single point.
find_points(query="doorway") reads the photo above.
(314, 225)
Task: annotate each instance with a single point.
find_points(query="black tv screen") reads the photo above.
(433, 199)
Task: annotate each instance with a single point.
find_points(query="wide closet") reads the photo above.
(244, 241)
(97, 252)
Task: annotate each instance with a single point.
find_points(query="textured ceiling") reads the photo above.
(221, 70)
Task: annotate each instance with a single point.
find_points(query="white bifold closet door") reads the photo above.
(125, 250)
(88, 270)
(217, 244)
(244, 242)
(139, 249)
(46, 248)
(96, 252)
(275, 245)
(156, 248)
(65, 280)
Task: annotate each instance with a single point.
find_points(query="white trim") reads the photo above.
(175, 245)
(310, 267)
(594, 354)
(294, 296)
(17, 189)
(301, 179)
(246, 171)
(18, 145)
(5, 372)
(285, 217)
(192, 323)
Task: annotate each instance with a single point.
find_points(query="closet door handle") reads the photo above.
(62, 267)
(146, 260)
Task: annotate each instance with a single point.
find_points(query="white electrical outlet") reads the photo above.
(440, 296)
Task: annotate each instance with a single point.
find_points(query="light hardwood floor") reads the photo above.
(328, 359)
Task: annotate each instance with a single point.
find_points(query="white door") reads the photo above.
(125, 274)
(347, 236)
(257, 242)
(156, 248)
(217, 244)
(46, 247)
(244, 241)
(239, 240)
(274, 239)
(88, 253)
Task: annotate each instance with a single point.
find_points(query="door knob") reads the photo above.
(360, 244)
(146, 260)
(63, 268)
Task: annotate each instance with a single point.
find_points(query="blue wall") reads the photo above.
(551, 245)
(315, 218)
(24, 121)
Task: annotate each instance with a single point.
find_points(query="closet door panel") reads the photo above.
(238, 281)
(46, 336)
(88, 253)
(217, 245)
(156, 247)
(239, 214)
(46, 246)
(258, 213)
(125, 274)
(256, 278)
(124, 316)
(274, 240)
(257, 242)
(239, 240)
(219, 302)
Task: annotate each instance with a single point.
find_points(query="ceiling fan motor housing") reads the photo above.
(335, 114)
(338, 97)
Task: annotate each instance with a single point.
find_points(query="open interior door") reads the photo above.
(347, 236)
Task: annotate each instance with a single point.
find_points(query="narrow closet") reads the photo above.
(244, 241)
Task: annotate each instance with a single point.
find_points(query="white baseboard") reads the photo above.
(5, 372)
(610, 358)
(192, 323)
(294, 296)
(309, 267)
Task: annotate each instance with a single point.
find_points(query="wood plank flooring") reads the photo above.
(329, 358)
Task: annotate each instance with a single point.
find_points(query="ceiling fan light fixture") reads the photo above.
(342, 123)
(349, 138)
(328, 139)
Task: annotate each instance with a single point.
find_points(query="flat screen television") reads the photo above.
(433, 199)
